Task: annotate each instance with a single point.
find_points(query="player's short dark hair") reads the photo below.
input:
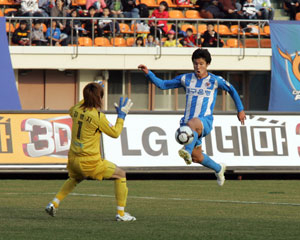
(93, 95)
(202, 53)
(190, 30)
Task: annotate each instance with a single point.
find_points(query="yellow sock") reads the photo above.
(121, 192)
(66, 188)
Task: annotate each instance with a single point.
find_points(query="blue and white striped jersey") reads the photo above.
(200, 93)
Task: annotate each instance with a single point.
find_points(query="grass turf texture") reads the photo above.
(173, 210)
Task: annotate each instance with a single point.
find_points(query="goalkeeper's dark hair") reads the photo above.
(93, 95)
(202, 53)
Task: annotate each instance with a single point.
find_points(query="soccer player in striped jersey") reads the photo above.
(201, 92)
(84, 159)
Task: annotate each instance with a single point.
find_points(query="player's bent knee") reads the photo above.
(119, 173)
(196, 125)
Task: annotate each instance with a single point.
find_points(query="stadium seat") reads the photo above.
(233, 43)
(44, 27)
(169, 2)
(234, 29)
(7, 2)
(297, 17)
(8, 10)
(202, 28)
(222, 30)
(78, 2)
(134, 26)
(124, 28)
(102, 42)
(130, 41)
(251, 43)
(266, 30)
(175, 14)
(1, 13)
(10, 27)
(265, 43)
(192, 14)
(118, 42)
(149, 3)
(169, 26)
(254, 30)
(85, 41)
(184, 27)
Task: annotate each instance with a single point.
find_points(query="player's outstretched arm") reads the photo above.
(143, 68)
(242, 117)
(162, 84)
(122, 110)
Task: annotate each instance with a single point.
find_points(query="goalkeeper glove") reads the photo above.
(123, 107)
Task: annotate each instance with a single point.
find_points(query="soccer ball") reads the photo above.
(184, 135)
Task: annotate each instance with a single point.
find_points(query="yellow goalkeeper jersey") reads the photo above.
(88, 124)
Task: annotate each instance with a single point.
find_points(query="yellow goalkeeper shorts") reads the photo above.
(95, 169)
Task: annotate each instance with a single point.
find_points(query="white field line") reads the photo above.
(169, 199)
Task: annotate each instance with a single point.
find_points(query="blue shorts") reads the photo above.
(207, 127)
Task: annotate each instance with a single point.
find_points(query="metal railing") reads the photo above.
(240, 33)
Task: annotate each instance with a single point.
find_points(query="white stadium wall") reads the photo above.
(127, 58)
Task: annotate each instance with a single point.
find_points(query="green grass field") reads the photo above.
(186, 209)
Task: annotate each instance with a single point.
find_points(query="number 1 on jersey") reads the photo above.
(79, 129)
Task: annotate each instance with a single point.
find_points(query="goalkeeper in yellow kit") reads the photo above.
(84, 160)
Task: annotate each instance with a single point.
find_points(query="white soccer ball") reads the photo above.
(184, 135)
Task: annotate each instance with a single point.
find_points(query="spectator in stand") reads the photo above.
(98, 4)
(31, 8)
(171, 41)
(293, 7)
(60, 11)
(150, 42)
(160, 12)
(213, 10)
(232, 9)
(190, 40)
(264, 6)
(92, 23)
(139, 42)
(21, 34)
(107, 24)
(37, 34)
(115, 7)
(249, 10)
(210, 38)
(53, 33)
(183, 2)
(130, 9)
(46, 5)
(72, 26)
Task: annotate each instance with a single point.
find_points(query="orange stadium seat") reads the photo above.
(169, 2)
(193, 14)
(149, 3)
(222, 30)
(78, 2)
(85, 41)
(102, 42)
(175, 14)
(134, 26)
(233, 43)
(9, 27)
(297, 17)
(124, 28)
(118, 42)
(266, 30)
(251, 43)
(130, 41)
(1, 13)
(265, 43)
(184, 27)
(234, 29)
(7, 2)
(202, 28)
(8, 10)
(254, 30)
